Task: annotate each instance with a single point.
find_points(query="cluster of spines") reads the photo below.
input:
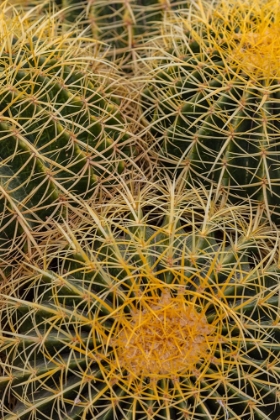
(105, 279)
(212, 103)
(62, 121)
(122, 25)
(102, 281)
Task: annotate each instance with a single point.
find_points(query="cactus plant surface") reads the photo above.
(148, 308)
(212, 99)
(62, 119)
(124, 25)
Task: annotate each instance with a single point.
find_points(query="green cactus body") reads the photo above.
(168, 314)
(62, 128)
(126, 25)
(212, 100)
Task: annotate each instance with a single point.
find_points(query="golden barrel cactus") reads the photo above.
(160, 305)
(211, 97)
(64, 128)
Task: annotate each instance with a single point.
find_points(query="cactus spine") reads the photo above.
(147, 308)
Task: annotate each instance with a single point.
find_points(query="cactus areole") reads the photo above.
(213, 100)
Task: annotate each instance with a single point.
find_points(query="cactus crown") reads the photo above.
(244, 33)
(164, 338)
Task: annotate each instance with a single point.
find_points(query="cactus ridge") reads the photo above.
(212, 102)
(169, 312)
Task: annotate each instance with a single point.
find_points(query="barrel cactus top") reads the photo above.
(62, 119)
(212, 96)
(150, 308)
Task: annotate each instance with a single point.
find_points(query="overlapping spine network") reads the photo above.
(139, 268)
(127, 24)
(124, 25)
(147, 308)
(212, 97)
(63, 129)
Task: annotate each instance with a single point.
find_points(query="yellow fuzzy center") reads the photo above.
(259, 52)
(245, 32)
(163, 338)
(251, 31)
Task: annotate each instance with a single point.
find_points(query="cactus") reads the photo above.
(62, 120)
(211, 97)
(161, 305)
(123, 25)
(127, 24)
